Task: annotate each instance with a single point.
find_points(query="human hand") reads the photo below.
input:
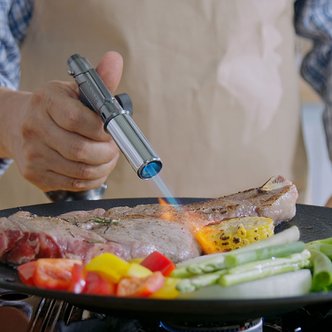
(56, 141)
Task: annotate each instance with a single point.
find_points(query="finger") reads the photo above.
(110, 69)
(37, 170)
(69, 113)
(59, 182)
(70, 145)
(80, 149)
(73, 115)
(77, 170)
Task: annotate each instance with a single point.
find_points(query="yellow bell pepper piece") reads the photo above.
(168, 290)
(109, 265)
(138, 271)
(136, 260)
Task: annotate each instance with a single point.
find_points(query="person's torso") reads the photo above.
(214, 88)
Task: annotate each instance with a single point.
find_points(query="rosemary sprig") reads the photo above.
(104, 221)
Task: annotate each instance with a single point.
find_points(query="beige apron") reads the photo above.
(214, 88)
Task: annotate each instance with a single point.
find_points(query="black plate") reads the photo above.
(313, 222)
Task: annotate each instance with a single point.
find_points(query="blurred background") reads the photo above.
(15, 191)
(319, 164)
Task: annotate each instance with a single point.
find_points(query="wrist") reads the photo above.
(13, 104)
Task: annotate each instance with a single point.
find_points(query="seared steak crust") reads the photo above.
(275, 199)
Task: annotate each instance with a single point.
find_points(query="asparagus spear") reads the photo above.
(247, 272)
(265, 268)
(322, 270)
(181, 272)
(327, 240)
(326, 249)
(194, 283)
(235, 259)
(207, 266)
(324, 246)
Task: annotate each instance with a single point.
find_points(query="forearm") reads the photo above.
(15, 16)
(11, 112)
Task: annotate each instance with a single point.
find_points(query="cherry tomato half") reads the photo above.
(26, 272)
(140, 287)
(54, 273)
(97, 284)
(77, 282)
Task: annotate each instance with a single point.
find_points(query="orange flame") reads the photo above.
(189, 218)
(167, 211)
(192, 220)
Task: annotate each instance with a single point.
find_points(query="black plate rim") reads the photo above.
(229, 309)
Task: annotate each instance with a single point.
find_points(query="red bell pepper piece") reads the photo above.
(156, 261)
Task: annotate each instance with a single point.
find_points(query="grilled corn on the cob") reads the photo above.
(234, 233)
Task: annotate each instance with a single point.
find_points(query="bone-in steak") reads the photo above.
(137, 231)
(275, 199)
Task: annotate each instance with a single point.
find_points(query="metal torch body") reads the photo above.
(117, 121)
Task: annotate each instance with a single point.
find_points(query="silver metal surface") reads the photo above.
(63, 195)
(131, 140)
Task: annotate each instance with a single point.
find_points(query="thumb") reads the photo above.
(110, 69)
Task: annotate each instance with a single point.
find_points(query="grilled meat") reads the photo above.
(275, 199)
(132, 232)
(25, 237)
